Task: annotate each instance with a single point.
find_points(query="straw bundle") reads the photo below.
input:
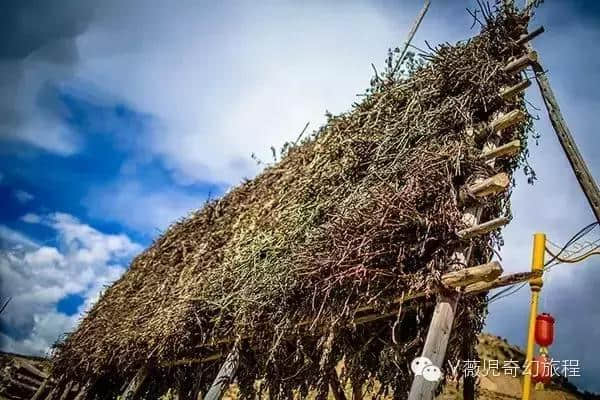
(362, 211)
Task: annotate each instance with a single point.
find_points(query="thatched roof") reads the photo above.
(362, 211)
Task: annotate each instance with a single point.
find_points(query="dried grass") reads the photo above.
(360, 212)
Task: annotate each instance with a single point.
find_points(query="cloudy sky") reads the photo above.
(117, 118)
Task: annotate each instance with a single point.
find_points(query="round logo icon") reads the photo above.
(418, 365)
(432, 373)
(423, 366)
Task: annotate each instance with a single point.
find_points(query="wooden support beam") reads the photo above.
(435, 345)
(21, 385)
(54, 391)
(486, 187)
(135, 384)
(190, 361)
(506, 280)
(22, 364)
(521, 63)
(357, 393)
(578, 165)
(67, 390)
(506, 150)
(28, 379)
(505, 121)
(40, 391)
(531, 35)
(510, 92)
(481, 229)
(469, 289)
(336, 388)
(464, 277)
(83, 391)
(226, 374)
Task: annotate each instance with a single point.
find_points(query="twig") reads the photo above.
(410, 36)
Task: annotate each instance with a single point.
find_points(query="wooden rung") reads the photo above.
(507, 120)
(506, 280)
(531, 35)
(464, 277)
(483, 228)
(521, 63)
(486, 187)
(506, 150)
(508, 93)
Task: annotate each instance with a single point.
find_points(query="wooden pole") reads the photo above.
(580, 169)
(226, 374)
(22, 364)
(83, 391)
(67, 390)
(357, 391)
(41, 389)
(435, 345)
(135, 384)
(336, 388)
(410, 36)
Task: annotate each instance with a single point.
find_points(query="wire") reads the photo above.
(573, 260)
(584, 231)
(557, 259)
(501, 295)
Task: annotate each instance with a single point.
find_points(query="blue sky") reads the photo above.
(120, 117)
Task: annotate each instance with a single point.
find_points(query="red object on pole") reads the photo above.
(544, 330)
(541, 369)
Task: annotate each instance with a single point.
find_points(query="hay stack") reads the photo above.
(363, 211)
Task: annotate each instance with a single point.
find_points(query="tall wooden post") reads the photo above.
(135, 384)
(225, 375)
(580, 169)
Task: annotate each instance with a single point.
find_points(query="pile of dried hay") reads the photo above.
(363, 211)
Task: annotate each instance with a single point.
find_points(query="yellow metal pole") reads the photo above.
(537, 264)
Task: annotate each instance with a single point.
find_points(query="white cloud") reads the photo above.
(148, 210)
(37, 277)
(31, 218)
(23, 196)
(11, 239)
(222, 90)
